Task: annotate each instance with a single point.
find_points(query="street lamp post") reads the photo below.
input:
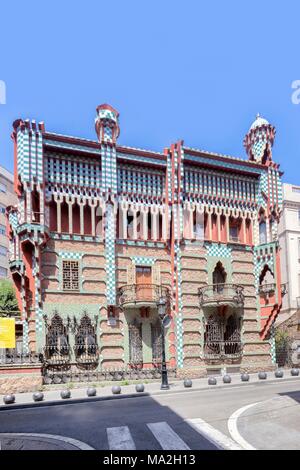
(162, 315)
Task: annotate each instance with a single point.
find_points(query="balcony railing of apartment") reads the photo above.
(143, 294)
(221, 294)
(267, 288)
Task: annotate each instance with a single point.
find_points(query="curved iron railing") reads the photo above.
(221, 293)
(223, 349)
(143, 293)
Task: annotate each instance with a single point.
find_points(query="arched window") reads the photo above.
(86, 348)
(262, 232)
(219, 277)
(135, 344)
(57, 340)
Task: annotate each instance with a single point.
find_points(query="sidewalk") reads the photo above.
(104, 392)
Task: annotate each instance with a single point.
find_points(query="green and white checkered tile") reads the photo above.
(143, 260)
(70, 255)
(214, 249)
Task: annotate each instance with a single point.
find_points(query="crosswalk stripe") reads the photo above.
(213, 435)
(119, 438)
(167, 438)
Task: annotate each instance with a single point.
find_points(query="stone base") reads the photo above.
(18, 383)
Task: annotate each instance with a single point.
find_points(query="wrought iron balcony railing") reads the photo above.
(223, 349)
(222, 294)
(267, 288)
(143, 294)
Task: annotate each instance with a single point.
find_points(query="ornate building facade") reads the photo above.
(102, 232)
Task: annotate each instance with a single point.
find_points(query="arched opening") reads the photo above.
(76, 218)
(65, 217)
(87, 214)
(35, 206)
(53, 216)
(219, 277)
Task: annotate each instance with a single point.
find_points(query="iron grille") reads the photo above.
(57, 341)
(135, 344)
(86, 348)
(222, 338)
(156, 339)
(70, 275)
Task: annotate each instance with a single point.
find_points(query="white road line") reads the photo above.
(213, 435)
(119, 438)
(167, 438)
(69, 440)
(233, 428)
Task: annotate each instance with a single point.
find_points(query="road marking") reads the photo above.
(119, 438)
(233, 428)
(69, 440)
(213, 435)
(167, 438)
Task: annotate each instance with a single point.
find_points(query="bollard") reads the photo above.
(91, 392)
(65, 394)
(9, 399)
(226, 379)
(38, 396)
(279, 374)
(262, 375)
(188, 383)
(212, 381)
(245, 377)
(116, 389)
(139, 388)
(294, 372)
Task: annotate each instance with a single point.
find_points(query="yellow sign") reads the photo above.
(7, 333)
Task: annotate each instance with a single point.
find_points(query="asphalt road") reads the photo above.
(129, 422)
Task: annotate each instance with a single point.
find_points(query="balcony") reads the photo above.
(143, 295)
(221, 294)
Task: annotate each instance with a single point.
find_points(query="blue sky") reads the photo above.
(192, 70)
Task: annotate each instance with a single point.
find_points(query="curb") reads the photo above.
(70, 401)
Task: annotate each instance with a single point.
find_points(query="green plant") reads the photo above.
(125, 382)
(8, 301)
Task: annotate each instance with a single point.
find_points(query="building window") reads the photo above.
(295, 189)
(2, 209)
(71, 275)
(3, 250)
(3, 272)
(3, 188)
(262, 232)
(299, 216)
(2, 229)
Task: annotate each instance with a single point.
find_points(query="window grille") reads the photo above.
(70, 275)
(156, 340)
(135, 344)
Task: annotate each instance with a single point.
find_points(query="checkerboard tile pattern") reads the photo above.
(143, 260)
(214, 249)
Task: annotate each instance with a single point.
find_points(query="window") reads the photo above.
(262, 232)
(3, 188)
(296, 190)
(2, 209)
(233, 233)
(71, 275)
(2, 229)
(3, 272)
(299, 216)
(3, 250)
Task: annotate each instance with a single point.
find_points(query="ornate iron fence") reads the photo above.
(17, 357)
